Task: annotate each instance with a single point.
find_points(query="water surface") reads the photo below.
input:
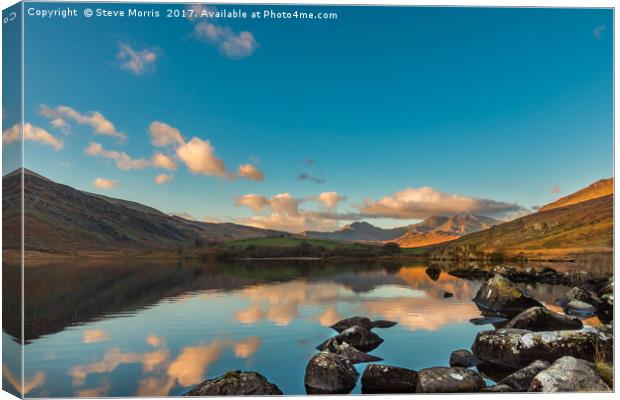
(123, 329)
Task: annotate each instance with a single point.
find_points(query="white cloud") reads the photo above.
(253, 201)
(104, 183)
(136, 61)
(290, 223)
(330, 199)
(161, 160)
(250, 172)
(198, 155)
(163, 178)
(123, 160)
(423, 202)
(100, 125)
(231, 44)
(31, 133)
(163, 135)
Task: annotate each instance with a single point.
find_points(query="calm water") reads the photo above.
(148, 329)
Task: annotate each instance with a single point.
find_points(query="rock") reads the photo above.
(542, 319)
(498, 295)
(517, 348)
(569, 374)
(578, 294)
(606, 287)
(328, 373)
(463, 358)
(383, 324)
(580, 308)
(548, 275)
(448, 380)
(471, 273)
(358, 337)
(349, 352)
(447, 295)
(433, 272)
(236, 383)
(520, 380)
(353, 321)
(388, 379)
(489, 321)
(605, 308)
(497, 388)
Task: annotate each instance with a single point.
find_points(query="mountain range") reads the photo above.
(432, 230)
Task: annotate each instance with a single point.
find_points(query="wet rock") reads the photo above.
(383, 324)
(580, 308)
(358, 337)
(499, 388)
(606, 287)
(542, 319)
(494, 372)
(520, 380)
(353, 321)
(463, 358)
(236, 383)
(578, 294)
(489, 321)
(349, 352)
(569, 374)
(498, 295)
(379, 378)
(517, 348)
(448, 380)
(447, 295)
(433, 272)
(548, 275)
(329, 373)
(605, 308)
(471, 273)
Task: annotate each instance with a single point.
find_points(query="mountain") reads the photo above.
(598, 189)
(581, 223)
(61, 219)
(432, 230)
(441, 229)
(358, 232)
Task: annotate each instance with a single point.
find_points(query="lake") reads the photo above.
(103, 328)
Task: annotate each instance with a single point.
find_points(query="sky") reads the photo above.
(385, 114)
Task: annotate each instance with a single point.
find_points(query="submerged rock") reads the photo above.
(605, 308)
(433, 272)
(448, 380)
(577, 307)
(353, 321)
(349, 352)
(379, 378)
(447, 295)
(471, 273)
(520, 380)
(517, 348)
(236, 383)
(498, 295)
(463, 358)
(329, 373)
(548, 275)
(495, 321)
(569, 374)
(360, 338)
(383, 324)
(542, 319)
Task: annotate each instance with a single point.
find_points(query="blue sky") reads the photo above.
(404, 112)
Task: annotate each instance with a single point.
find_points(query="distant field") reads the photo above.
(288, 242)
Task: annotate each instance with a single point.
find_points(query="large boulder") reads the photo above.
(349, 352)
(517, 348)
(236, 383)
(353, 321)
(569, 374)
(520, 380)
(358, 337)
(379, 378)
(578, 294)
(329, 373)
(542, 319)
(500, 296)
(449, 380)
(605, 308)
(463, 358)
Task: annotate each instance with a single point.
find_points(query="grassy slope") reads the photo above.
(577, 228)
(598, 189)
